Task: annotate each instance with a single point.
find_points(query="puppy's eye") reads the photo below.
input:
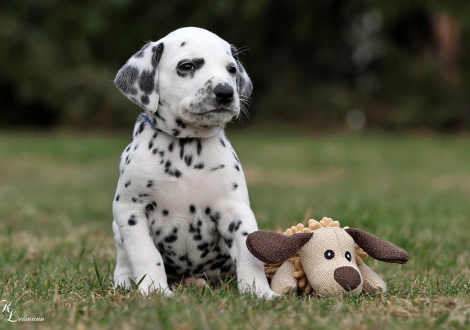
(348, 255)
(186, 66)
(232, 69)
(329, 254)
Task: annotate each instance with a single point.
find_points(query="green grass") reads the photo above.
(57, 251)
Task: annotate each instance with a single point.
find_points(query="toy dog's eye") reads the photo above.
(348, 255)
(329, 254)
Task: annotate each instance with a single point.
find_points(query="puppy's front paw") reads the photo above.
(123, 281)
(268, 294)
(148, 286)
(261, 292)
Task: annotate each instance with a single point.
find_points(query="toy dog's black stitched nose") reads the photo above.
(223, 93)
(347, 277)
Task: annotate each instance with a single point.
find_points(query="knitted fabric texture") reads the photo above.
(264, 244)
(303, 283)
(387, 252)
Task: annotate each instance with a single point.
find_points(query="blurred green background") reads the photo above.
(325, 63)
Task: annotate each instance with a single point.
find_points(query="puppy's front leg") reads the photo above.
(143, 256)
(235, 225)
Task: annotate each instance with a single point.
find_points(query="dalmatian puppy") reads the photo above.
(181, 208)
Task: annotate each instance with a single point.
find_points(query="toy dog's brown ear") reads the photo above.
(378, 248)
(271, 247)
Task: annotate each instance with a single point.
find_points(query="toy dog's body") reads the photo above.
(327, 259)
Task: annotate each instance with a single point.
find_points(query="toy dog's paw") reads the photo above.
(284, 281)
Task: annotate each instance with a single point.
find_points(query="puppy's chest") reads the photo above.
(183, 186)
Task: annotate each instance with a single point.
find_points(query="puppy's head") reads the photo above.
(191, 78)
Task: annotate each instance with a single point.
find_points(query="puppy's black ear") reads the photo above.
(138, 78)
(244, 85)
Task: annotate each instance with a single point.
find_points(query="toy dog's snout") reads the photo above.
(348, 277)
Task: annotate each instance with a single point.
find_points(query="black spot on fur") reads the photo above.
(132, 220)
(192, 229)
(188, 159)
(245, 233)
(127, 184)
(134, 199)
(159, 116)
(157, 54)
(199, 166)
(141, 128)
(192, 209)
(170, 238)
(222, 142)
(117, 198)
(215, 168)
(149, 183)
(175, 132)
(180, 123)
(229, 242)
(203, 246)
(165, 213)
(204, 254)
(144, 99)
(171, 146)
(237, 168)
(168, 164)
(215, 217)
(146, 81)
(159, 264)
(183, 43)
(149, 207)
(235, 186)
(150, 144)
(234, 225)
(208, 210)
(182, 143)
(126, 79)
(198, 63)
(199, 147)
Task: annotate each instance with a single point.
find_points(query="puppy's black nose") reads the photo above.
(223, 93)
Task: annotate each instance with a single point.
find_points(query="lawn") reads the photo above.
(57, 251)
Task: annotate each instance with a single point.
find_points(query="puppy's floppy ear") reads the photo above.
(271, 247)
(377, 248)
(244, 85)
(138, 78)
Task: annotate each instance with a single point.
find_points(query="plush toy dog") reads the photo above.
(323, 257)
